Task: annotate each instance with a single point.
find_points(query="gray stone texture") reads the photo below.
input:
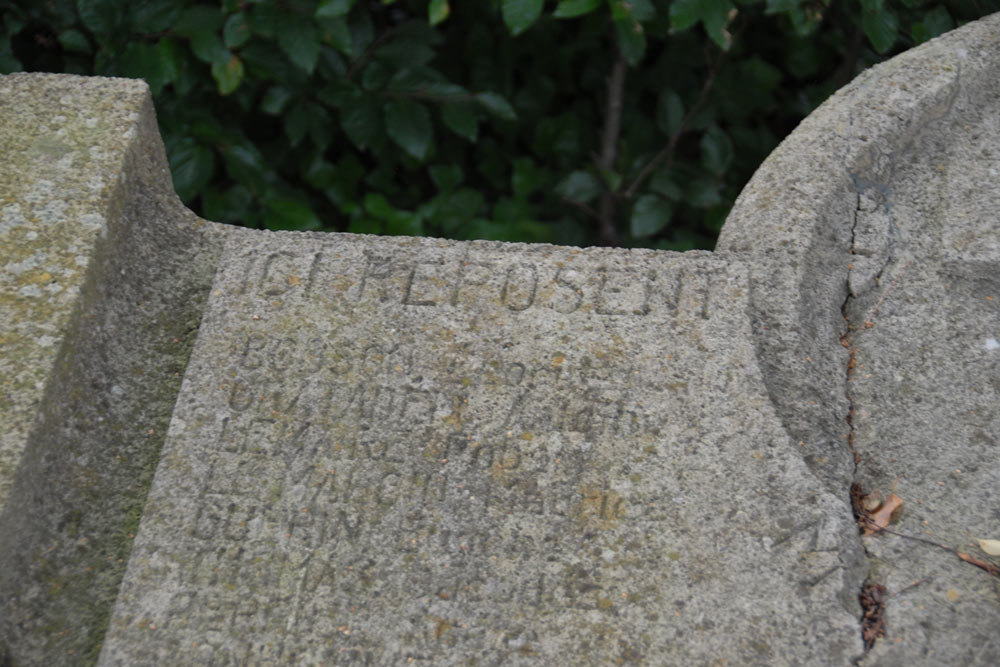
(387, 451)
(895, 179)
(484, 453)
(103, 275)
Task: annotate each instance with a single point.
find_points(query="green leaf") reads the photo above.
(365, 226)
(612, 179)
(713, 14)
(141, 60)
(331, 65)
(337, 33)
(375, 76)
(662, 184)
(684, 14)
(408, 123)
(497, 105)
(300, 42)
(518, 15)
(527, 177)
(338, 94)
(153, 15)
(8, 63)
(517, 230)
(320, 174)
(236, 31)
(275, 99)
(446, 176)
(454, 209)
(168, 52)
(228, 75)
(510, 210)
(437, 11)
(331, 9)
(232, 206)
(425, 81)
(398, 222)
(285, 213)
(320, 126)
(638, 10)
(880, 24)
(936, 22)
(461, 119)
(715, 217)
(703, 193)
(631, 40)
(716, 150)
(361, 121)
(410, 225)
(669, 112)
(296, 124)
(569, 9)
(762, 75)
(649, 215)
(362, 30)
(715, 17)
(200, 18)
(406, 52)
(579, 186)
(245, 165)
(781, 6)
(101, 17)
(377, 205)
(208, 48)
(74, 40)
(486, 230)
(191, 166)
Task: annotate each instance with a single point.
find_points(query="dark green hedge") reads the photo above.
(579, 121)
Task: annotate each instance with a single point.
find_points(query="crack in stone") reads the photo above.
(863, 595)
(874, 237)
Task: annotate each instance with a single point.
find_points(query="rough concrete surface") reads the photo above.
(474, 453)
(102, 277)
(394, 451)
(895, 179)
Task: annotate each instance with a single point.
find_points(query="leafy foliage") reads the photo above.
(483, 119)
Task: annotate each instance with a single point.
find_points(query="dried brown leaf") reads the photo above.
(885, 514)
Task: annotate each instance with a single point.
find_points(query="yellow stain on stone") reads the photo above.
(442, 626)
(496, 471)
(600, 508)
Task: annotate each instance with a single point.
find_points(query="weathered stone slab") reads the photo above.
(895, 177)
(102, 277)
(398, 450)
(925, 387)
(415, 450)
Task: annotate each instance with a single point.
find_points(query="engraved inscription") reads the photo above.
(455, 283)
(463, 443)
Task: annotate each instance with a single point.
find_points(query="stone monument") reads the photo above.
(230, 447)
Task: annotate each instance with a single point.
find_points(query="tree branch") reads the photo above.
(667, 152)
(608, 230)
(583, 207)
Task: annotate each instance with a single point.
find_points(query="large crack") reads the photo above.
(872, 595)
